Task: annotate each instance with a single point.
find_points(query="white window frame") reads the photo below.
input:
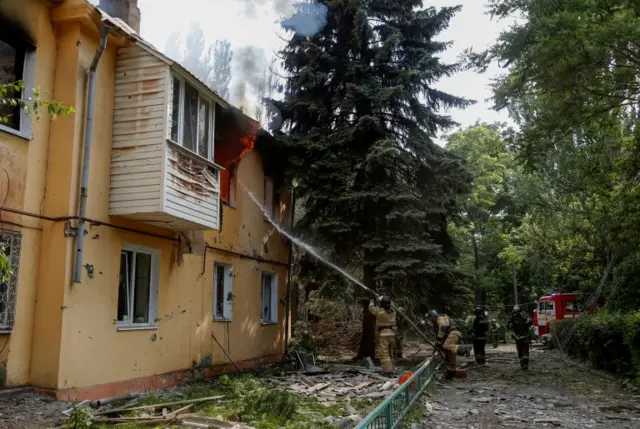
(212, 115)
(227, 312)
(153, 288)
(273, 299)
(28, 78)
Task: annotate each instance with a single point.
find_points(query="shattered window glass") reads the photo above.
(190, 118)
(11, 65)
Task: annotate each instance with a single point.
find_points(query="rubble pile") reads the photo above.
(337, 383)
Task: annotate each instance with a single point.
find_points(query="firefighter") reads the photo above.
(448, 340)
(520, 324)
(386, 327)
(494, 332)
(480, 327)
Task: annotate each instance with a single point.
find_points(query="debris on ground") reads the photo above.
(337, 384)
(24, 409)
(553, 393)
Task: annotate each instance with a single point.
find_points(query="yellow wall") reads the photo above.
(26, 164)
(71, 340)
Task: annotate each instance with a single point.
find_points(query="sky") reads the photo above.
(255, 23)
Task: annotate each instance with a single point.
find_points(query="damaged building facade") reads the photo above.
(134, 247)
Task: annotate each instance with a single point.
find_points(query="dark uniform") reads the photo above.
(480, 328)
(520, 324)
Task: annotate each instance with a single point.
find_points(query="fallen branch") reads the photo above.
(154, 406)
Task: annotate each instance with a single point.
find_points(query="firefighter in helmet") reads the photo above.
(480, 328)
(520, 324)
(448, 340)
(386, 327)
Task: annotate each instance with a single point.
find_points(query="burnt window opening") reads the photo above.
(12, 56)
(234, 138)
(17, 63)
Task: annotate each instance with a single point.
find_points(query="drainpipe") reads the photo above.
(288, 300)
(86, 159)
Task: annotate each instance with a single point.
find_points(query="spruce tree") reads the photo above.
(360, 116)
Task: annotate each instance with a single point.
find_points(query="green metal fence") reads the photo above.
(390, 413)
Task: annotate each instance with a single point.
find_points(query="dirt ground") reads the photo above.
(26, 410)
(553, 393)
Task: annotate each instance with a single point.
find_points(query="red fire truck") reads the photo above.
(556, 306)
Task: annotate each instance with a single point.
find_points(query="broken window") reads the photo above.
(11, 71)
(223, 293)
(10, 243)
(192, 119)
(138, 287)
(269, 298)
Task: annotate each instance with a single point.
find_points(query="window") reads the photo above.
(191, 117)
(16, 64)
(10, 243)
(571, 307)
(222, 291)
(138, 287)
(269, 298)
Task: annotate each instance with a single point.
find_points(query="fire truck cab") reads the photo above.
(556, 306)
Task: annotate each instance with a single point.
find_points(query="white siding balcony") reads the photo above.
(162, 169)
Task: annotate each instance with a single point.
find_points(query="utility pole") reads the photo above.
(515, 284)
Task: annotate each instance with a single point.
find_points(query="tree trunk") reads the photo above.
(515, 284)
(368, 339)
(476, 257)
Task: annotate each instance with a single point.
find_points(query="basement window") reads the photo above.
(222, 291)
(10, 243)
(138, 287)
(16, 64)
(191, 116)
(269, 298)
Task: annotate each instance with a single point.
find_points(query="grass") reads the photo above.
(248, 400)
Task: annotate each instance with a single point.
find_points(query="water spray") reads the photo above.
(328, 263)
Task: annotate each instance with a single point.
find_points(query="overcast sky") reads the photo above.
(255, 23)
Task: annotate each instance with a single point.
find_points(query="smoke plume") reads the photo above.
(303, 17)
(247, 71)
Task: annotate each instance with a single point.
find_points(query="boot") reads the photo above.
(464, 350)
(450, 375)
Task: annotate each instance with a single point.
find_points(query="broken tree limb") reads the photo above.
(225, 352)
(155, 406)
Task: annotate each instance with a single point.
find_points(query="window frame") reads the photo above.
(28, 78)
(14, 240)
(153, 288)
(227, 292)
(212, 114)
(273, 301)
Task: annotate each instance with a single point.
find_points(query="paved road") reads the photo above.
(553, 393)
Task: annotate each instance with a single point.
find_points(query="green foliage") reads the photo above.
(249, 400)
(361, 114)
(624, 292)
(572, 89)
(81, 418)
(12, 94)
(610, 342)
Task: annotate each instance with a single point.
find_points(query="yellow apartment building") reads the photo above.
(131, 238)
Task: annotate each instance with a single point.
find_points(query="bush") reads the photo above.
(624, 292)
(610, 342)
